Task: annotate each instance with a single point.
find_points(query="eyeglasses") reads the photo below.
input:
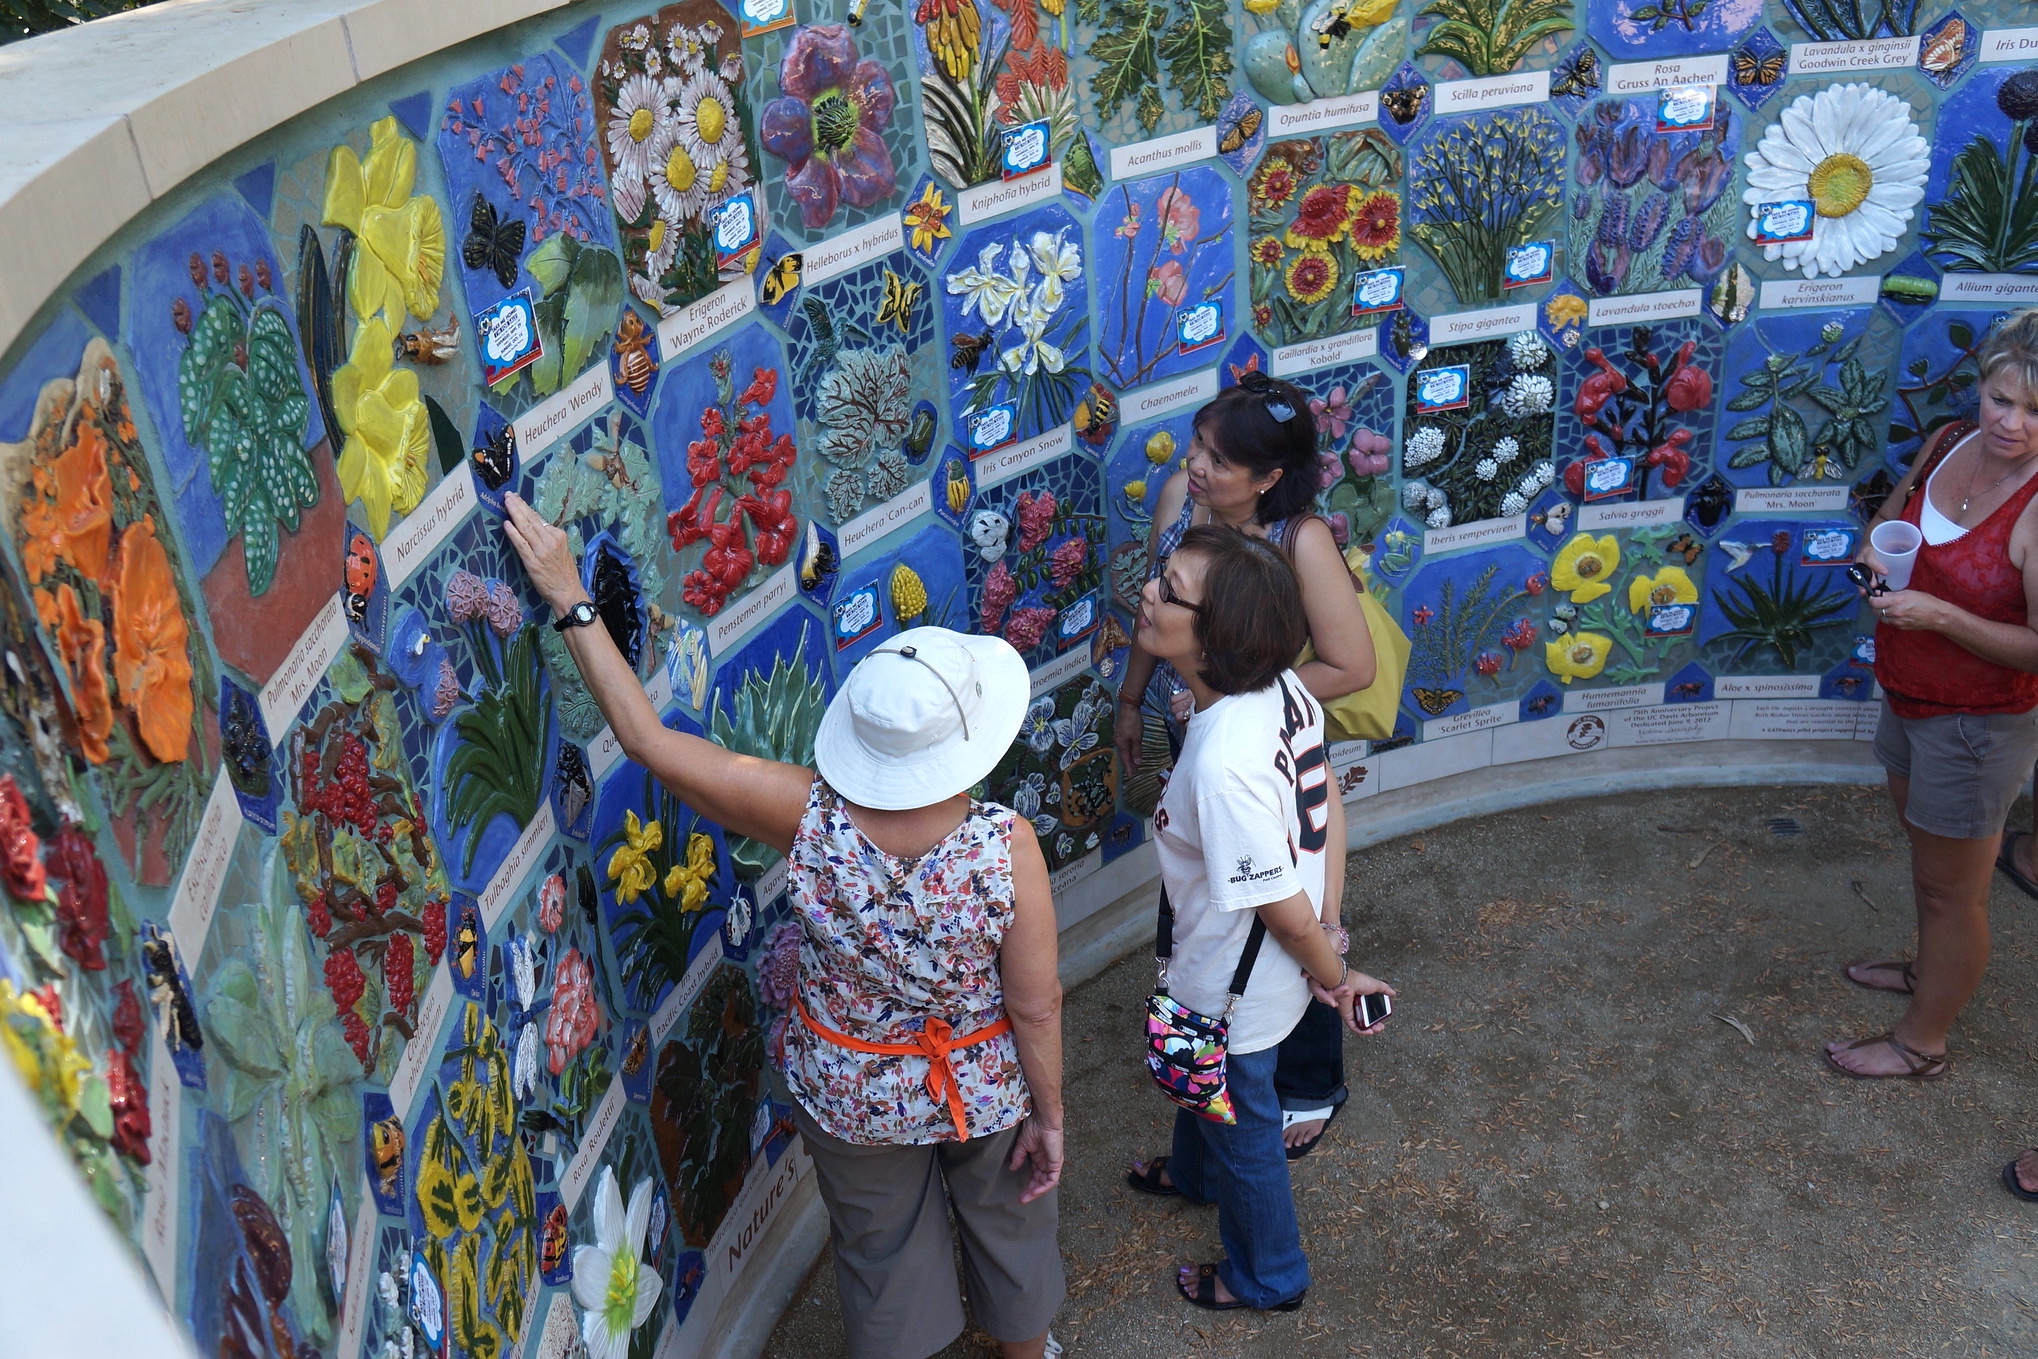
(1167, 590)
(1262, 386)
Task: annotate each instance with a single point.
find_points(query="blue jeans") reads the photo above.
(1244, 1171)
(1311, 1073)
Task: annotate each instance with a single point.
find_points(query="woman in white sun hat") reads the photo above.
(926, 1053)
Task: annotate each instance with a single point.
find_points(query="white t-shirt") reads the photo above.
(1244, 823)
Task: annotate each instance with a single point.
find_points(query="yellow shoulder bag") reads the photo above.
(1368, 714)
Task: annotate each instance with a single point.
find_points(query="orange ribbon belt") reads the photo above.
(936, 1042)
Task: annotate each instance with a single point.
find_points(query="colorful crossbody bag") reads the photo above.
(1185, 1051)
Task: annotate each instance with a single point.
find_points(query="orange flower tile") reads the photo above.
(151, 643)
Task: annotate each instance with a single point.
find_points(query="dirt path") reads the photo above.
(1562, 1149)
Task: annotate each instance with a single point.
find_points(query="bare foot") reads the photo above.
(1875, 1058)
(2027, 1171)
(1187, 1275)
(1895, 975)
(1303, 1133)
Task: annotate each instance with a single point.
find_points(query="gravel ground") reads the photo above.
(1562, 1147)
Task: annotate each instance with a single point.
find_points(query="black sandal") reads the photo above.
(2010, 1183)
(1908, 971)
(2006, 860)
(1149, 1181)
(1204, 1295)
(1297, 1153)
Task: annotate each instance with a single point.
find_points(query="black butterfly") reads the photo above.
(1579, 76)
(1405, 103)
(496, 458)
(167, 990)
(493, 243)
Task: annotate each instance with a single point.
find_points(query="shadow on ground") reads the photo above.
(1562, 1147)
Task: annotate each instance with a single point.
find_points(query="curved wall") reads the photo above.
(340, 948)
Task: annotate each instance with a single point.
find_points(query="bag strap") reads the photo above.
(1292, 526)
(1942, 443)
(1164, 949)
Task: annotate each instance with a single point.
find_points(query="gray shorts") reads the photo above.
(888, 1218)
(1965, 769)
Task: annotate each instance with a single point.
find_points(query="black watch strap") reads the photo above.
(579, 616)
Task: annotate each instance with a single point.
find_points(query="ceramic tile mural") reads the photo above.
(351, 959)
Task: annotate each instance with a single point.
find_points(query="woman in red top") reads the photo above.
(1957, 656)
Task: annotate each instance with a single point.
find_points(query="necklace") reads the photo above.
(2018, 466)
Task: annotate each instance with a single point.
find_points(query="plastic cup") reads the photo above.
(1897, 543)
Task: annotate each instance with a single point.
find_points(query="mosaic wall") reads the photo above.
(390, 1011)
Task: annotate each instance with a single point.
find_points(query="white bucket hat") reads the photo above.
(924, 717)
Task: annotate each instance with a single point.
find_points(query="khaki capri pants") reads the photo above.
(888, 1215)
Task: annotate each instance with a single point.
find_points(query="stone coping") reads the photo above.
(105, 118)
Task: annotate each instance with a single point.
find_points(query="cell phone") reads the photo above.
(1372, 1009)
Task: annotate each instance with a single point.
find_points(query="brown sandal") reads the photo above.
(1924, 1066)
(1907, 970)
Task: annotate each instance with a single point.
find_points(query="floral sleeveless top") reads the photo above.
(887, 943)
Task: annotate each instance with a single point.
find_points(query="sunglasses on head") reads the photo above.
(1262, 386)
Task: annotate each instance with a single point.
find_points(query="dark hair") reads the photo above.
(1250, 621)
(1240, 428)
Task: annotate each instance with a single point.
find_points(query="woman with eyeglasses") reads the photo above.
(1253, 465)
(1248, 832)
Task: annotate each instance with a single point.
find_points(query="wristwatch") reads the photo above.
(579, 616)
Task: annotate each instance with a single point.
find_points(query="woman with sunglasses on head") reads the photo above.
(1247, 833)
(924, 1048)
(1955, 653)
(1252, 465)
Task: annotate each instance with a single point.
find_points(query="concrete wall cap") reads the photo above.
(182, 84)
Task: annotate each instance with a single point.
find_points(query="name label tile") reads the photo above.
(1002, 196)
(1484, 533)
(1664, 306)
(1493, 92)
(419, 533)
(1162, 153)
(1300, 358)
(1798, 293)
(284, 696)
(714, 313)
(1670, 73)
(1838, 58)
(839, 254)
(561, 413)
(1002, 464)
(1790, 499)
(1321, 115)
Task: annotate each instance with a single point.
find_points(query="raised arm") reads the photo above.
(760, 798)
(1030, 972)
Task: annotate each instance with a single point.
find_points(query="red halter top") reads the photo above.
(1926, 674)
